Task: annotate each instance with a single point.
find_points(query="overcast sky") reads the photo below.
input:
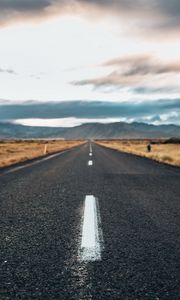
(106, 50)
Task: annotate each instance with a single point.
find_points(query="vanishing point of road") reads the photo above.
(90, 223)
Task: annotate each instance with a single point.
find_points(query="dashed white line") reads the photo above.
(90, 154)
(92, 238)
(90, 163)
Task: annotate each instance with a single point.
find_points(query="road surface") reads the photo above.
(90, 223)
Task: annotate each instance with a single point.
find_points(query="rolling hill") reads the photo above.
(90, 130)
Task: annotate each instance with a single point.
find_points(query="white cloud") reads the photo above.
(72, 48)
(66, 122)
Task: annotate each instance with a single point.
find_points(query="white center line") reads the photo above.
(90, 163)
(92, 239)
(90, 154)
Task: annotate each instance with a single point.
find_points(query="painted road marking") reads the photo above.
(90, 154)
(14, 169)
(90, 163)
(92, 237)
(90, 148)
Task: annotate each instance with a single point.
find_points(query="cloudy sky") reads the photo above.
(124, 53)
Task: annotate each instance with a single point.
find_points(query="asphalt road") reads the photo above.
(41, 219)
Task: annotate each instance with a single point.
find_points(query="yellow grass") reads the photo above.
(12, 152)
(166, 153)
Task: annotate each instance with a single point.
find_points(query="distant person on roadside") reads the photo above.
(149, 147)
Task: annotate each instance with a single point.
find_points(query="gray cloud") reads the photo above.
(32, 5)
(143, 64)
(9, 71)
(147, 111)
(169, 7)
(112, 79)
(13, 10)
(133, 71)
(153, 14)
(162, 7)
(24, 5)
(114, 4)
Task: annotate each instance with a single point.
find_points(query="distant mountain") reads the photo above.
(91, 130)
(9, 130)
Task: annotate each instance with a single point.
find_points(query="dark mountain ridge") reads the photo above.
(90, 130)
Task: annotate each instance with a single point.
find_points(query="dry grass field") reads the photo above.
(12, 152)
(166, 153)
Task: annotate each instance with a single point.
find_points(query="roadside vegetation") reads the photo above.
(14, 151)
(166, 151)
